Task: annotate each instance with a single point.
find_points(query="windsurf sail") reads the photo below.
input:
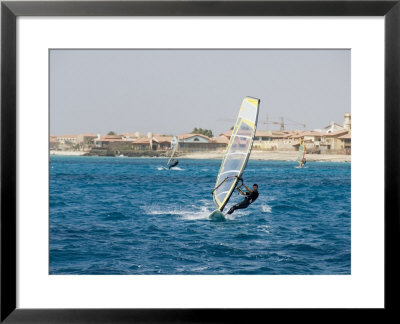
(174, 146)
(237, 152)
(302, 153)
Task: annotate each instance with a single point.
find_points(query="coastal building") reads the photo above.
(114, 143)
(347, 121)
(142, 144)
(67, 139)
(53, 143)
(219, 143)
(189, 142)
(332, 142)
(333, 138)
(313, 136)
(317, 142)
(129, 142)
(72, 142)
(266, 136)
(86, 138)
(105, 140)
(346, 142)
(333, 127)
(312, 140)
(130, 136)
(268, 140)
(161, 142)
(193, 142)
(261, 135)
(193, 138)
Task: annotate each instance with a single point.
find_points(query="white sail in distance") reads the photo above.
(302, 152)
(237, 152)
(174, 146)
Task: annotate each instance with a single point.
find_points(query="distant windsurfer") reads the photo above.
(250, 197)
(302, 154)
(173, 164)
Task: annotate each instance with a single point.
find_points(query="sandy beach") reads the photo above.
(74, 153)
(274, 155)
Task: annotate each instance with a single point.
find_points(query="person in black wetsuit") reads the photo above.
(250, 197)
(175, 163)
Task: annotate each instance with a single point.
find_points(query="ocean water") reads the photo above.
(131, 216)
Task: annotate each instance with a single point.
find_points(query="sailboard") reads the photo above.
(302, 153)
(174, 146)
(236, 155)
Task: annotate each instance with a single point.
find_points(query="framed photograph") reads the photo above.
(186, 161)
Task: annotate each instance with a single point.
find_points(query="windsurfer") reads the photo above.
(235, 159)
(301, 159)
(250, 197)
(174, 164)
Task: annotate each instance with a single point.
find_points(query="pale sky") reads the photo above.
(173, 91)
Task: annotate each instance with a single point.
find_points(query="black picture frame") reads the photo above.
(10, 10)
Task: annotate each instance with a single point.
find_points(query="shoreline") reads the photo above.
(68, 153)
(255, 155)
(275, 156)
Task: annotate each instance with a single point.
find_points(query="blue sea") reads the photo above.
(131, 216)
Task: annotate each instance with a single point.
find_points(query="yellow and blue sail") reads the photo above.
(302, 152)
(237, 152)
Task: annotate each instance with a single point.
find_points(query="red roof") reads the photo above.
(227, 133)
(220, 140)
(142, 140)
(337, 133)
(189, 135)
(346, 136)
(114, 140)
(68, 136)
(314, 133)
(162, 139)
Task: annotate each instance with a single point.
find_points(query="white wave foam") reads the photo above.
(176, 169)
(185, 213)
(194, 212)
(266, 208)
(264, 228)
(155, 212)
(172, 169)
(203, 213)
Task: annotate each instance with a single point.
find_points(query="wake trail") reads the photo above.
(172, 169)
(191, 213)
